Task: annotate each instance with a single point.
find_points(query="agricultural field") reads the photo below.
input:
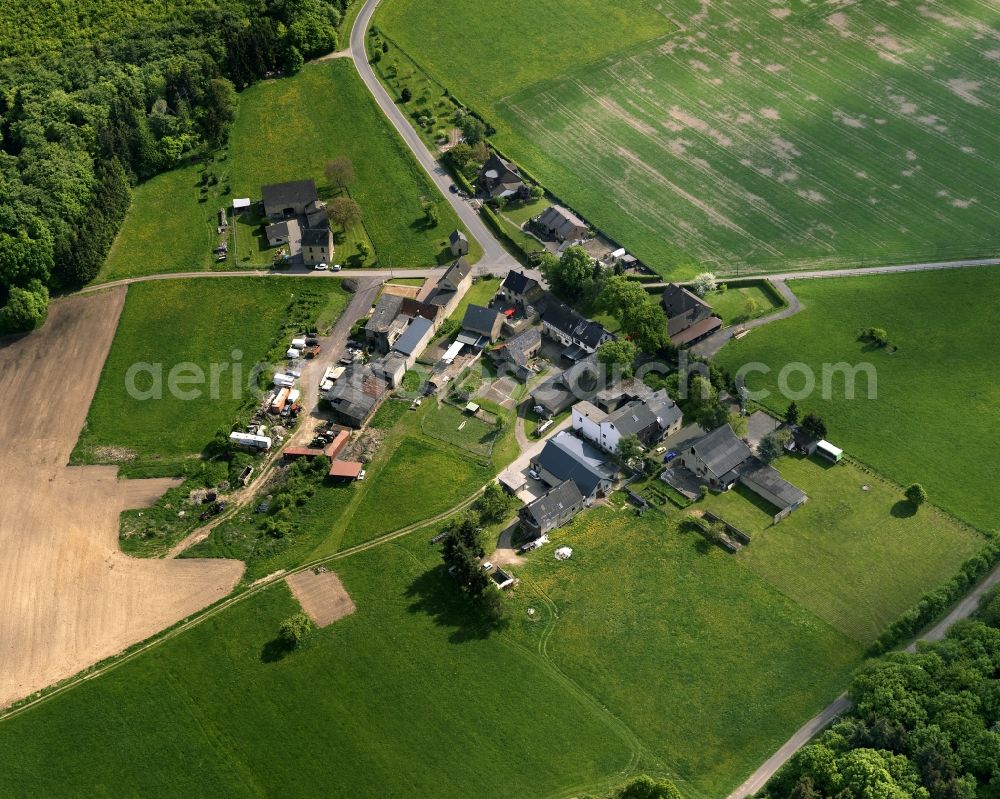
(122, 427)
(288, 129)
(761, 136)
(855, 554)
(937, 385)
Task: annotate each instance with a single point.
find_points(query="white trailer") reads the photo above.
(250, 441)
(282, 380)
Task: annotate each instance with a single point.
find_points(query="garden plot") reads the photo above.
(766, 137)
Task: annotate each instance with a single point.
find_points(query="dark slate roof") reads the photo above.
(356, 393)
(504, 170)
(560, 391)
(678, 301)
(696, 331)
(414, 336)
(516, 349)
(316, 237)
(412, 307)
(568, 458)
(457, 235)
(480, 320)
(387, 308)
(721, 450)
(560, 220)
(280, 229)
(564, 318)
(632, 418)
(554, 502)
(291, 193)
(458, 271)
(757, 474)
(665, 409)
(519, 283)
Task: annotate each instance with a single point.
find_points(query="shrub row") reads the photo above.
(936, 602)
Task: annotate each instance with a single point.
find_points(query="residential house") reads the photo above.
(459, 243)
(579, 335)
(316, 214)
(451, 286)
(356, 395)
(391, 368)
(379, 330)
(282, 200)
(566, 457)
(317, 246)
(648, 421)
(553, 509)
(561, 224)
(282, 232)
(721, 459)
(414, 308)
(414, 340)
(482, 325)
(501, 178)
(689, 317)
(559, 392)
(519, 291)
(516, 353)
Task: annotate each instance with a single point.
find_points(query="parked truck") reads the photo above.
(280, 401)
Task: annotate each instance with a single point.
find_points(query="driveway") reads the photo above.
(517, 472)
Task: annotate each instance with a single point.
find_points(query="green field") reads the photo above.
(765, 137)
(937, 393)
(480, 293)
(287, 130)
(739, 303)
(446, 422)
(856, 558)
(171, 323)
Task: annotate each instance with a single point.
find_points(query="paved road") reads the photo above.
(842, 704)
(494, 255)
(715, 342)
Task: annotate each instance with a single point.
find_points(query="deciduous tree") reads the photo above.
(339, 172)
(343, 212)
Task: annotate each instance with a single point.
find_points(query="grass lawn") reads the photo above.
(480, 293)
(167, 228)
(856, 558)
(449, 423)
(937, 394)
(740, 303)
(755, 138)
(420, 480)
(177, 322)
(408, 281)
(521, 211)
(288, 129)
(379, 704)
(709, 665)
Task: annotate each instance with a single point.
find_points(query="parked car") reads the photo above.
(321, 267)
(336, 268)
(534, 475)
(670, 456)
(453, 188)
(486, 566)
(361, 474)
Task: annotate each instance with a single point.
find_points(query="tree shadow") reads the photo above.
(275, 650)
(903, 509)
(437, 595)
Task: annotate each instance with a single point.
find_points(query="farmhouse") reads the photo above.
(516, 353)
(579, 335)
(561, 224)
(501, 178)
(553, 509)
(414, 339)
(459, 243)
(356, 395)
(519, 291)
(379, 329)
(722, 459)
(282, 200)
(282, 232)
(450, 288)
(317, 246)
(566, 457)
(481, 326)
(689, 318)
(647, 421)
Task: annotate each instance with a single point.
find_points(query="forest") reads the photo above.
(96, 95)
(924, 725)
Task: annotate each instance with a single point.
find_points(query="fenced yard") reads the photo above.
(473, 432)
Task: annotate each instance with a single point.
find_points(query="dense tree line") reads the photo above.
(924, 725)
(79, 125)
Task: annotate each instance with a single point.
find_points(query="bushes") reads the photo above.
(936, 602)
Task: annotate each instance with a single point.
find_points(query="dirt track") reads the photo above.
(68, 596)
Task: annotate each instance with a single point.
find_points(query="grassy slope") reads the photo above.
(749, 138)
(288, 129)
(937, 394)
(709, 665)
(731, 305)
(853, 557)
(173, 322)
(382, 703)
